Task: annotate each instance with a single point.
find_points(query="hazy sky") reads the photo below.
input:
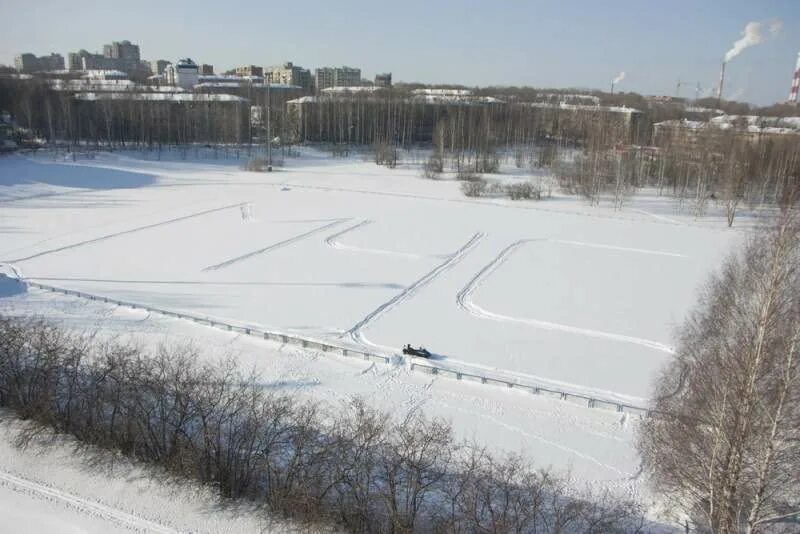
(578, 43)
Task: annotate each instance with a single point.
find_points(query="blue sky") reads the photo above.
(503, 42)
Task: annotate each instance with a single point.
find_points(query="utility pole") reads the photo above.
(269, 134)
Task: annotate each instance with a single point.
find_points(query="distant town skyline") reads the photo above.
(539, 43)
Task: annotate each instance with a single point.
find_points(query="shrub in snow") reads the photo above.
(256, 165)
(433, 167)
(340, 150)
(385, 154)
(474, 188)
(523, 190)
(467, 175)
(488, 163)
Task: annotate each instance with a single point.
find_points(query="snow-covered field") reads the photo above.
(580, 297)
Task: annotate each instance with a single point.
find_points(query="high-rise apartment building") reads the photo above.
(249, 70)
(346, 77)
(119, 55)
(158, 66)
(337, 77)
(289, 74)
(124, 51)
(32, 63)
(383, 80)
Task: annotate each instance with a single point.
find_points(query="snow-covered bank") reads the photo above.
(50, 485)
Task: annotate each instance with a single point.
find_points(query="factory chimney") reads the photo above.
(721, 83)
(795, 83)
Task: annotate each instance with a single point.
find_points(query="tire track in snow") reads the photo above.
(465, 302)
(333, 242)
(453, 259)
(622, 249)
(274, 246)
(83, 505)
(527, 433)
(125, 232)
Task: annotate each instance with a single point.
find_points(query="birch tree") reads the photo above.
(724, 443)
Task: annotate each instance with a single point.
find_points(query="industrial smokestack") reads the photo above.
(752, 35)
(795, 82)
(721, 83)
(615, 81)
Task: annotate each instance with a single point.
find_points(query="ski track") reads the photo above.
(465, 302)
(622, 249)
(82, 505)
(125, 232)
(274, 246)
(409, 291)
(656, 216)
(650, 217)
(37, 196)
(333, 242)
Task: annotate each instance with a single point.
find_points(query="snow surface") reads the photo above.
(580, 297)
(46, 487)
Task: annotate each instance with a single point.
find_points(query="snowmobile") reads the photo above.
(422, 352)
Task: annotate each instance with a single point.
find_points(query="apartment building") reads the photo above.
(289, 74)
(31, 63)
(250, 70)
(337, 77)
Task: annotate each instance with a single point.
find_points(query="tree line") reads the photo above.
(349, 466)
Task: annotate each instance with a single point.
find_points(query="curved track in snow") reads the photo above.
(82, 505)
(453, 259)
(466, 303)
(333, 242)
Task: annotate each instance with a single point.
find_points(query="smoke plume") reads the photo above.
(619, 78)
(752, 35)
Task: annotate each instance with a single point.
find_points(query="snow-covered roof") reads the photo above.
(353, 89)
(104, 73)
(760, 122)
(161, 97)
(570, 96)
(463, 99)
(696, 109)
(302, 100)
(683, 123)
(428, 99)
(96, 84)
(236, 85)
(443, 92)
(754, 124)
(581, 107)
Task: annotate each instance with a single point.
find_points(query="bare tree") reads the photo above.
(724, 442)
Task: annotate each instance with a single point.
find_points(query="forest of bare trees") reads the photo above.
(724, 443)
(349, 466)
(600, 153)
